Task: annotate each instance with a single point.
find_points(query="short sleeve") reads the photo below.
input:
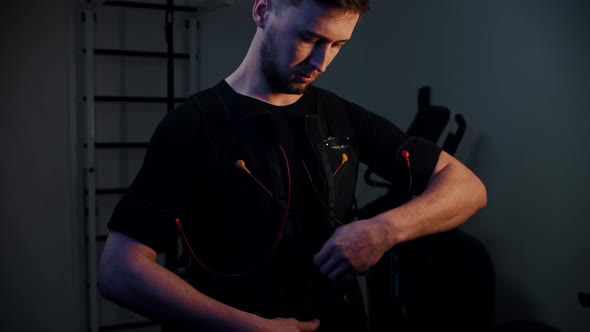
(148, 210)
(381, 144)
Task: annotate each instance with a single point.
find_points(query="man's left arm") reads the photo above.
(452, 195)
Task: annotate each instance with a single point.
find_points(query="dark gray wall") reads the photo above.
(519, 73)
(41, 264)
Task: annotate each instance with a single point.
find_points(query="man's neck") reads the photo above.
(249, 80)
(252, 83)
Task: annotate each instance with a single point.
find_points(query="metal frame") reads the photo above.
(91, 245)
(134, 99)
(145, 5)
(146, 54)
(193, 26)
(91, 191)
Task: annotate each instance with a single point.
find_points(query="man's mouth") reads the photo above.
(306, 77)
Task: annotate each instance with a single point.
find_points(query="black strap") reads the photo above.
(216, 116)
(335, 114)
(212, 103)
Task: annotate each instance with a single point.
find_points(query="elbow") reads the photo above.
(113, 279)
(483, 195)
(484, 199)
(107, 281)
(123, 264)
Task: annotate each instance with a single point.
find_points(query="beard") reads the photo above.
(279, 81)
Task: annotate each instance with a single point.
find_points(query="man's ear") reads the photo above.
(261, 12)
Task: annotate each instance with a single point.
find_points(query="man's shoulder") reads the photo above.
(192, 108)
(321, 92)
(184, 115)
(332, 100)
(185, 123)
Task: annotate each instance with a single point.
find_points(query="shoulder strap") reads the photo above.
(218, 123)
(338, 123)
(216, 116)
(334, 110)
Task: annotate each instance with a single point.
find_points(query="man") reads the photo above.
(272, 245)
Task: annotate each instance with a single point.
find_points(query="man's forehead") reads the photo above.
(331, 24)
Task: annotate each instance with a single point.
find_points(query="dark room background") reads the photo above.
(517, 70)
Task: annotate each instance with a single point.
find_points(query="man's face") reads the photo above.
(300, 43)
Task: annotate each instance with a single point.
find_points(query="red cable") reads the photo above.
(276, 242)
(344, 160)
(240, 164)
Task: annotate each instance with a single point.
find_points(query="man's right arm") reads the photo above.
(130, 276)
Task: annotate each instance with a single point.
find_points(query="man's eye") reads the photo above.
(308, 39)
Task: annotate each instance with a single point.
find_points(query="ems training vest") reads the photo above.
(239, 223)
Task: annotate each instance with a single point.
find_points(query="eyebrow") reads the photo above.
(317, 35)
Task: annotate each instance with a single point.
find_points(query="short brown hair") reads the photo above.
(356, 6)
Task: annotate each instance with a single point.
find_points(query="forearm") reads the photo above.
(153, 291)
(452, 196)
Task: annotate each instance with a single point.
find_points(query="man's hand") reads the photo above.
(352, 249)
(291, 325)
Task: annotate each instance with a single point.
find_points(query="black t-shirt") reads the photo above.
(289, 279)
(297, 239)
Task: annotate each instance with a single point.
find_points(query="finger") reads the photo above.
(308, 326)
(350, 275)
(342, 271)
(329, 265)
(323, 255)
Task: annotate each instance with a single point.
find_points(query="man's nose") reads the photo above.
(320, 57)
